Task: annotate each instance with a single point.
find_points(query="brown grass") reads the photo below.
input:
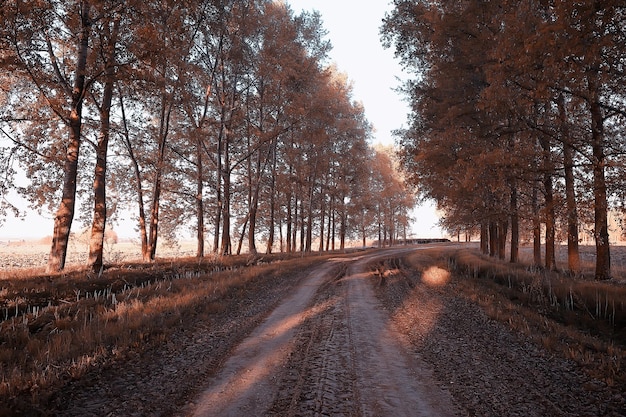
(56, 327)
(580, 319)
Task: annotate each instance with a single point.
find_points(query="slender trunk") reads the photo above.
(322, 222)
(225, 245)
(309, 224)
(342, 229)
(252, 230)
(329, 228)
(289, 224)
(573, 255)
(294, 228)
(137, 174)
(280, 235)
(334, 227)
(514, 225)
(272, 221)
(549, 206)
(536, 227)
(242, 235)
(96, 242)
(302, 226)
(493, 238)
(153, 233)
(603, 254)
(363, 235)
(484, 238)
(65, 213)
(199, 197)
(503, 226)
(218, 181)
(254, 192)
(309, 233)
(380, 231)
(200, 232)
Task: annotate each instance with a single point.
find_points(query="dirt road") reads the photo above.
(328, 349)
(336, 340)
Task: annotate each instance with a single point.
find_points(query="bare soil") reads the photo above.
(355, 337)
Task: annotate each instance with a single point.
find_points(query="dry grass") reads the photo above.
(580, 319)
(55, 327)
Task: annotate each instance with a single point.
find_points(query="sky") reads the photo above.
(353, 29)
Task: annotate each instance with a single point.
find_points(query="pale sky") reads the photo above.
(353, 28)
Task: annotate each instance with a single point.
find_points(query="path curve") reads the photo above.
(328, 349)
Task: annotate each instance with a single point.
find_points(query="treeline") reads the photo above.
(221, 117)
(518, 117)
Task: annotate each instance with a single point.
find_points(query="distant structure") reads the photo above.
(412, 241)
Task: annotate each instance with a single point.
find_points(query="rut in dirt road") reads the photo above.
(327, 349)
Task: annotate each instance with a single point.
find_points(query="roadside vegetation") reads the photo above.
(56, 327)
(574, 317)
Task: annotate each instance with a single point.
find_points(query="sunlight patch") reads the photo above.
(435, 276)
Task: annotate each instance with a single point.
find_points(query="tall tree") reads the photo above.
(50, 42)
(108, 37)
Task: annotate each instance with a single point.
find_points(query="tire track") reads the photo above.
(339, 357)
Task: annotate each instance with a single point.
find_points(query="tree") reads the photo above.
(108, 33)
(49, 43)
(512, 76)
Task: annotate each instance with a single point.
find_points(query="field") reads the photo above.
(20, 254)
(59, 332)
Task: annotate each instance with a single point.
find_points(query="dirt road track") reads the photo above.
(328, 349)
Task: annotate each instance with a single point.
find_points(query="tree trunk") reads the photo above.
(137, 173)
(363, 234)
(514, 225)
(199, 197)
(322, 224)
(342, 229)
(603, 254)
(225, 245)
(153, 233)
(272, 220)
(218, 187)
(503, 226)
(96, 242)
(295, 220)
(536, 227)
(242, 235)
(493, 238)
(549, 206)
(289, 224)
(334, 228)
(65, 213)
(573, 255)
(329, 225)
(252, 229)
(484, 238)
(550, 224)
(302, 226)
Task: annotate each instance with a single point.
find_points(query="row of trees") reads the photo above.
(218, 116)
(518, 117)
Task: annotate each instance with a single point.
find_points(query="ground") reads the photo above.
(343, 338)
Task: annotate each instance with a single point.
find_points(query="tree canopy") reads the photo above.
(219, 117)
(517, 117)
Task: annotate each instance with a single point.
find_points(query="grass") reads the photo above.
(577, 318)
(56, 327)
